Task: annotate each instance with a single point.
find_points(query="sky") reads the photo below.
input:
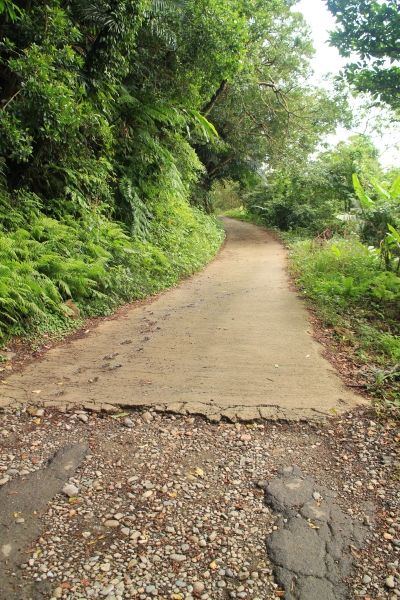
(327, 59)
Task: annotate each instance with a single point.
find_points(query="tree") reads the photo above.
(267, 112)
(371, 30)
(309, 193)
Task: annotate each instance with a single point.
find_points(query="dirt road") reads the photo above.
(233, 340)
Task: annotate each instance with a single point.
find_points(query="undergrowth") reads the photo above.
(360, 301)
(95, 263)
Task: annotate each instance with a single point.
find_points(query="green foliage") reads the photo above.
(96, 264)
(372, 218)
(371, 30)
(116, 118)
(356, 298)
(340, 190)
(226, 195)
(242, 214)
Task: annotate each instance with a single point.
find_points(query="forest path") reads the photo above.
(233, 340)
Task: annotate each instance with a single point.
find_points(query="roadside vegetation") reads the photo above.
(125, 126)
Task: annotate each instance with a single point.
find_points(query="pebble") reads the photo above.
(70, 490)
(83, 418)
(198, 587)
(111, 523)
(129, 423)
(147, 417)
(177, 557)
(389, 581)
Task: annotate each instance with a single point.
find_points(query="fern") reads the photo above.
(141, 215)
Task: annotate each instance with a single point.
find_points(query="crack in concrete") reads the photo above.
(212, 412)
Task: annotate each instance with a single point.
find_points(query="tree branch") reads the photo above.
(206, 109)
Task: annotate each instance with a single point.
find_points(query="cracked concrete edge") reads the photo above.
(210, 411)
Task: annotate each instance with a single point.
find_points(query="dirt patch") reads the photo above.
(175, 500)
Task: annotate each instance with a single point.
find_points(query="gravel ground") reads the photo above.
(169, 507)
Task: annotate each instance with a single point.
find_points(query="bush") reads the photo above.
(348, 287)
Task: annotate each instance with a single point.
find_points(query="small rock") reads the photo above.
(177, 557)
(150, 588)
(390, 581)
(70, 490)
(83, 418)
(129, 423)
(147, 417)
(366, 579)
(111, 523)
(254, 575)
(40, 412)
(58, 592)
(198, 587)
(316, 495)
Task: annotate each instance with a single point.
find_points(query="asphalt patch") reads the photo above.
(311, 547)
(23, 502)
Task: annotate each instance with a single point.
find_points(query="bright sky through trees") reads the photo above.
(327, 59)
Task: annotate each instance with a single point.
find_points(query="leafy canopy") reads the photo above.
(371, 30)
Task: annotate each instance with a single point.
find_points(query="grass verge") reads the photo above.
(358, 305)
